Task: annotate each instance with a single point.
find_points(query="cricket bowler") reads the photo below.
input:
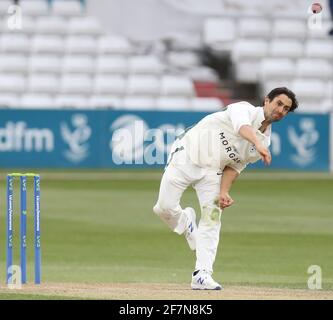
(210, 156)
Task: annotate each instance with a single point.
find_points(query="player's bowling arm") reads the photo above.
(248, 133)
(229, 175)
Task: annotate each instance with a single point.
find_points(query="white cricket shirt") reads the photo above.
(214, 142)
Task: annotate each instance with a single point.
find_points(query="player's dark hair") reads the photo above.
(283, 90)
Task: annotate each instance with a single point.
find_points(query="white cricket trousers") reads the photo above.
(206, 183)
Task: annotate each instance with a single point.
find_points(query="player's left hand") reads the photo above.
(225, 200)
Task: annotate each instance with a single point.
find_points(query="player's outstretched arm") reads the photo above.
(229, 175)
(248, 133)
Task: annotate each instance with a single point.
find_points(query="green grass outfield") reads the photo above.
(99, 227)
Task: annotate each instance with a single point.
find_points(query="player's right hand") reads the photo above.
(225, 200)
(265, 154)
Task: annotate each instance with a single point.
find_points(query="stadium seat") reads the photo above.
(106, 84)
(143, 85)
(254, 28)
(114, 45)
(184, 41)
(319, 48)
(52, 25)
(314, 68)
(183, 59)
(206, 104)
(247, 71)
(78, 63)
(13, 63)
(101, 101)
(45, 63)
(71, 101)
(14, 42)
(276, 68)
(12, 83)
(9, 100)
(286, 48)
(35, 7)
(202, 73)
(4, 5)
(36, 101)
(43, 83)
(173, 104)
(75, 84)
(252, 48)
(47, 44)
(177, 85)
(218, 33)
(67, 8)
(145, 65)
(112, 64)
(81, 44)
(139, 103)
(289, 28)
(268, 85)
(85, 26)
(309, 88)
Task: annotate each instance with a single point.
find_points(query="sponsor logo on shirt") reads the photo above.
(228, 149)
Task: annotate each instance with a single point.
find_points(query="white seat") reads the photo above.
(256, 28)
(114, 45)
(48, 44)
(185, 59)
(84, 25)
(71, 101)
(319, 49)
(185, 41)
(326, 105)
(36, 101)
(143, 85)
(252, 48)
(43, 83)
(202, 73)
(34, 7)
(4, 5)
(24, 26)
(218, 31)
(314, 68)
(78, 63)
(177, 85)
(9, 100)
(51, 25)
(289, 28)
(78, 83)
(173, 104)
(112, 64)
(308, 88)
(14, 42)
(286, 48)
(268, 85)
(206, 104)
(276, 68)
(67, 8)
(12, 83)
(45, 63)
(13, 62)
(81, 44)
(247, 71)
(115, 85)
(145, 65)
(139, 103)
(100, 101)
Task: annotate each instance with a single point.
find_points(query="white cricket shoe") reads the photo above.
(204, 281)
(191, 228)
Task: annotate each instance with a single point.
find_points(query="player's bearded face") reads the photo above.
(278, 108)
